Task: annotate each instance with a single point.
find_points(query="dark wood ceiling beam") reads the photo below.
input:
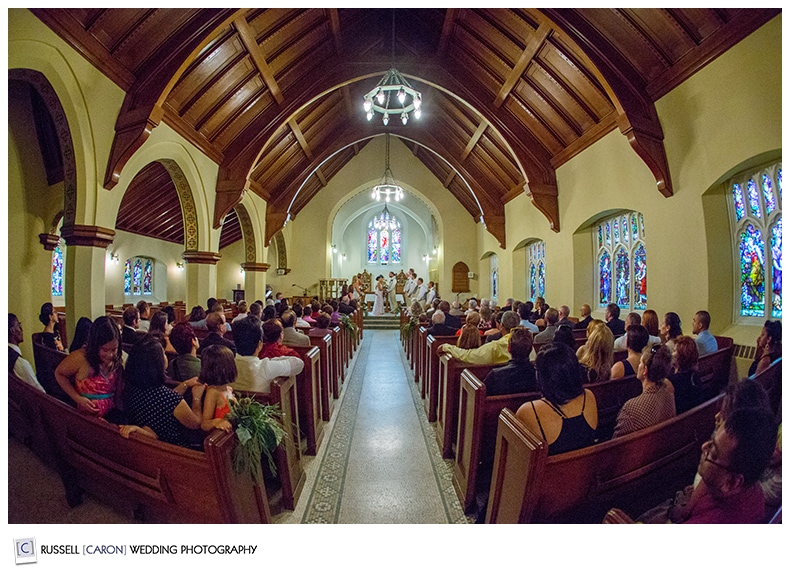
(447, 31)
(530, 51)
(141, 110)
(334, 26)
(258, 57)
(193, 136)
(449, 179)
(347, 101)
(297, 132)
(473, 140)
(637, 116)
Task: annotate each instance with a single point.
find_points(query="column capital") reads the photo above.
(201, 257)
(255, 266)
(49, 241)
(87, 235)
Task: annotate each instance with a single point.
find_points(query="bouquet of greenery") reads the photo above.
(349, 324)
(259, 433)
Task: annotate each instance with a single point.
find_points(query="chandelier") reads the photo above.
(393, 95)
(385, 221)
(387, 187)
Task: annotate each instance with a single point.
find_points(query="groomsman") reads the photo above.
(392, 285)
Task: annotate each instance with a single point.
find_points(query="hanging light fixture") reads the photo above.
(385, 221)
(393, 95)
(387, 188)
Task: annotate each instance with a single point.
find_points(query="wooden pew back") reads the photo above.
(308, 386)
(46, 360)
(430, 388)
(327, 369)
(633, 472)
(160, 481)
(771, 380)
(714, 370)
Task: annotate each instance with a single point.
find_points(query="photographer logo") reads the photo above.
(25, 550)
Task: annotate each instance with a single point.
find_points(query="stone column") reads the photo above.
(201, 276)
(86, 247)
(254, 280)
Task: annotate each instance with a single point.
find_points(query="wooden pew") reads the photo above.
(477, 426)
(430, 387)
(419, 352)
(633, 472)
(448, 399)
(288, 458)
(327, 370)
(46, 360)
(156, 481)
(340, 365)
(771, 380)
(308, 387)
(714, 370)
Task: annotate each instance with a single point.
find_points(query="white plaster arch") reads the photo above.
(48, 60)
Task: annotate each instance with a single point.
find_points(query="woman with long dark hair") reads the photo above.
(50, 336)
(80, 334)
(91, 376)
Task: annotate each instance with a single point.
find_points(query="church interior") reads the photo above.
(175, 155)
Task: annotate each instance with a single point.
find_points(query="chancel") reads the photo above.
(192, 161)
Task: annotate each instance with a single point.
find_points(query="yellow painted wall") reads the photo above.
(229, 273)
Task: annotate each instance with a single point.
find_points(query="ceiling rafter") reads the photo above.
(258, 57)
(533, 46)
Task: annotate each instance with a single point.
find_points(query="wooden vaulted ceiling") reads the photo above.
(274, 95)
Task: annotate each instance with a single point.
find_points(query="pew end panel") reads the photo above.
(308, 385)
(430, 387)
(327, 371)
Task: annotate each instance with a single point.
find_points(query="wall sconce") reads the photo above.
(115, 259)
(334, 248)
(435, 250)
(180, 265)
(241, 270)
(344, 256)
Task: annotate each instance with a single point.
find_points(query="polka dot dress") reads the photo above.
(154, 408)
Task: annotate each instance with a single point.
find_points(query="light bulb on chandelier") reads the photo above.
(378, 99)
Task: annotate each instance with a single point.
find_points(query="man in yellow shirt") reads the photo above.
(493, 353)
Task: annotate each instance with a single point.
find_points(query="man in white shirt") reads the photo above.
(632, 319)
(145, 316)
(242, 307)
(392, 285)
(16, 363)
(706, 343)
(408, 287)
(431, 294)
(256, 374)
(422, 292)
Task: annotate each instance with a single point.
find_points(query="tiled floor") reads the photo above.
(379, 462)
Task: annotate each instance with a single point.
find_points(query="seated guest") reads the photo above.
(334, 316)
(538, 311)
(299, 312)
(650, 322)
(18, 365)
(269, 312)
(564, 312)
(145, 316)
(159, 329)
(524, 312)
(706, 343)
(171, 316)
(490, 353)
(596, 358)
(469, 335)
(586, 317)
(636, 340)
(50, 336)
(415, 310)
(81, 334)
(131, 320)
(685, 379)
(509, 304)
(454, 321)
(769, 347)
(613, 321)
(91, 376)
(344, 308)
(455, 309)
(471, 306)
(217, 372)
(256, 310)
(566, 416)
(670, 330)
(630, 319)
(439, 329)
(290, 335)
(197, 314)
(154, 409)
(187, 364)
(242, 307)
(551, 316)
(215, 323)
(315, 308)
(657, 401)
(475, 318)
(518, 376)
(256, 374)
(273, 341)
(495, 332)
(485, 318)
(321, 328)
(564, 335)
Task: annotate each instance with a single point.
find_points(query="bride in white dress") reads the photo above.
(378, 306)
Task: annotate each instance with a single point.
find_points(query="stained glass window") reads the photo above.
(536, 253)
(384, 246)
(57, 271)
(396, 245)
(138, 276)
(494, 262)
(622, 268)
(757, 243)
(640, 278)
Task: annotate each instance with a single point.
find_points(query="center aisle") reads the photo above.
(381, 463)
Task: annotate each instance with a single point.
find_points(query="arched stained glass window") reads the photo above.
(622, 262)
(138, 276)
(757, 243)
(536, 263)
(494, 262)
(384, 242)
(57, 270)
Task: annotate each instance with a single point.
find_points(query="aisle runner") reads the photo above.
(326, 496)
